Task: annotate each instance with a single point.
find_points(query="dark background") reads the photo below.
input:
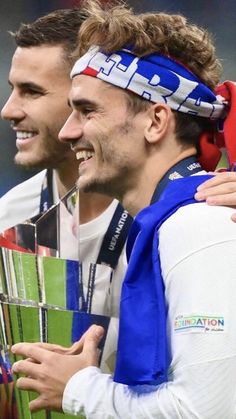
(218, 16)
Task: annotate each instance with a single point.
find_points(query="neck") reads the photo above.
(91, 205)
(139, 197)
(66, 177)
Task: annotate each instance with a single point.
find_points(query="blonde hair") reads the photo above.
(113, 27)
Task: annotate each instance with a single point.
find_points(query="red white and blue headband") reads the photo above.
(155, 77)
(158, 78)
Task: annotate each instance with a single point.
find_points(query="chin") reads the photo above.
(96, 187)
(30, 164)
(87, 187)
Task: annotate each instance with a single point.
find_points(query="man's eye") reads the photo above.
(31, 93)
(34, 93)
(86, 111)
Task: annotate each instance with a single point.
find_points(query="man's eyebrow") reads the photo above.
(27, 86)
(79, 103)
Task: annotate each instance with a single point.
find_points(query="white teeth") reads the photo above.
(21, 135)
(84, 154)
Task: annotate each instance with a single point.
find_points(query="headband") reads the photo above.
(155, 77)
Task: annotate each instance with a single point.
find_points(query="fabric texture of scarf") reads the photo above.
(142, 356)
(155, 77)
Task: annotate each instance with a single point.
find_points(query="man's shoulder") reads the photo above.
(195, 227)
(29, 187)
(21, 202)
(198, 219)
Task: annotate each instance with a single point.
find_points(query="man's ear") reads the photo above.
(158, 122)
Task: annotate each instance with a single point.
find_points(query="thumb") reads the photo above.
(91, 341)
(77, 347)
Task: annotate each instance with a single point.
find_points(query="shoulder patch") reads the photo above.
(199, 323)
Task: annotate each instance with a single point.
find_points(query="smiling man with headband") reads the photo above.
(143, 103)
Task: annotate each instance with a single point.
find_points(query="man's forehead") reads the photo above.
(87, 85)
(38, 57)
(81, 93)
(82, 80)
(38, 65)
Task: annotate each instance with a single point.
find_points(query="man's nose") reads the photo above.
(71, 131)
(12, 110)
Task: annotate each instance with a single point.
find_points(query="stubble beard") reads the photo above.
(49, 153)
(111, 185)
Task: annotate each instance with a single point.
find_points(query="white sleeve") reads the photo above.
(21, 202)
(199, 270)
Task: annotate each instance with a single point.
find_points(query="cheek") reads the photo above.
(108, 139)
(56, 117)
(109, 145)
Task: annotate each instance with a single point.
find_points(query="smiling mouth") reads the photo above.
(84, 155)
(25, 135)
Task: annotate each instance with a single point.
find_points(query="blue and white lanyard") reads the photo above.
(184, 168)
(46, 197)
(111, 248)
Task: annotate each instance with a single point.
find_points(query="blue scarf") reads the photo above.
(142, 356)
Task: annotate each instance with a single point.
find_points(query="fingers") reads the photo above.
(39, 351)
(228, 200)
(29, 350)
(76, 348)
(32, 360)
(219, 190)
(54, 348)
(37, 404)
(43, 403)
(92, 338)
(26, 367)
(218, 196)
(233, 217)
(29, 384)
(218, 179)
(47, 372)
